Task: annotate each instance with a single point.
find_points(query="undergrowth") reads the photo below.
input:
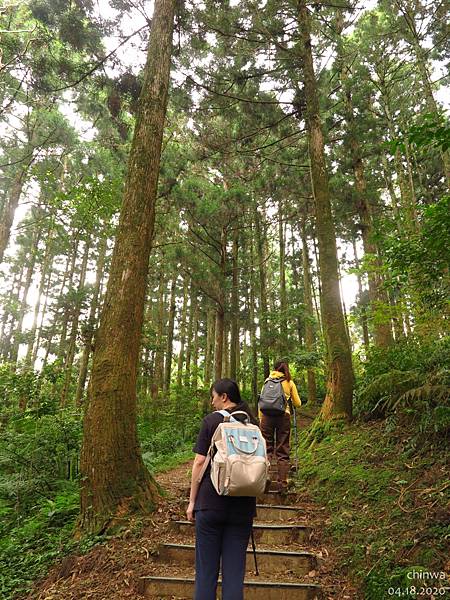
(39, 475)
(387, 510)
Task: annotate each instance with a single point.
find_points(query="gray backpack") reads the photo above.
(272, 400)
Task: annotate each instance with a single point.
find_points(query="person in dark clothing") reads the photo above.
(222, 523)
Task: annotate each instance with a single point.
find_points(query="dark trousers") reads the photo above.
(220, 534)
(276, 431)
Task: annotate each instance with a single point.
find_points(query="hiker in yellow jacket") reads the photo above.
(276, 429)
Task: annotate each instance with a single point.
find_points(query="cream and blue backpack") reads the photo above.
(238, 456)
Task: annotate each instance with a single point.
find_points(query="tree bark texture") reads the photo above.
(114, 479)
(338, 400)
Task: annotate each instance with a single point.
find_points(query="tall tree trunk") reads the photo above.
(44, 273)
(218, 353)
(390, 188)
(7, 317)
(72, 346)
(252, 326)
(406, 195)
(364, 326)
(194, 368)
(309, 327)
(234, 317)
(114, 479)
(67, 313)
(283, 298)
(9, 209)
(263, 342)
(226, 346)
(182, 335)
(296, 289)
(338, 400)
(210, 328)
(37, 342)
(160, 346)
(69, 259)
(220, 308)
(23, 303)
(90, 326)
(190, 329)
(377, 296)
(170, 328)
(317, 290)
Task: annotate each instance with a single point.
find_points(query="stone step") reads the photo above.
(276, 498)
(269, 512)
(269, 561)
(265, 533)
(169, 587)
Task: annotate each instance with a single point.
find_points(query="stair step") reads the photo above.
(167, 587)
(276, 498)
(269, 561)
(273, 512)
(265, 533)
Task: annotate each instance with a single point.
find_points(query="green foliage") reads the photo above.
(409, 381)
(421, 260)
(39, 456)
(432, 131)
(168, 432)
(26, 393)
(359, 474)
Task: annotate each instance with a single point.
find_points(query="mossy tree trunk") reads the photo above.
(114, 479)
(338, 400)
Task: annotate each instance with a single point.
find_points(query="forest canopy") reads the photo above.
(192, 190)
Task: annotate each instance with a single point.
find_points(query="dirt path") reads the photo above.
(116, 568)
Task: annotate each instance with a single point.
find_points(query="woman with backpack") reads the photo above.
(275, 417)
(223, 524)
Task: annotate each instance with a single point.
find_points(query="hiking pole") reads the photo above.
(254, 552)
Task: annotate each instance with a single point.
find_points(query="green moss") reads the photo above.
(360, 473)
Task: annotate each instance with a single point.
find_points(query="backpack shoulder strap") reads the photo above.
(240, 412)
(227, 417)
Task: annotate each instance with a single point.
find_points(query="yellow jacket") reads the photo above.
(290, 391)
